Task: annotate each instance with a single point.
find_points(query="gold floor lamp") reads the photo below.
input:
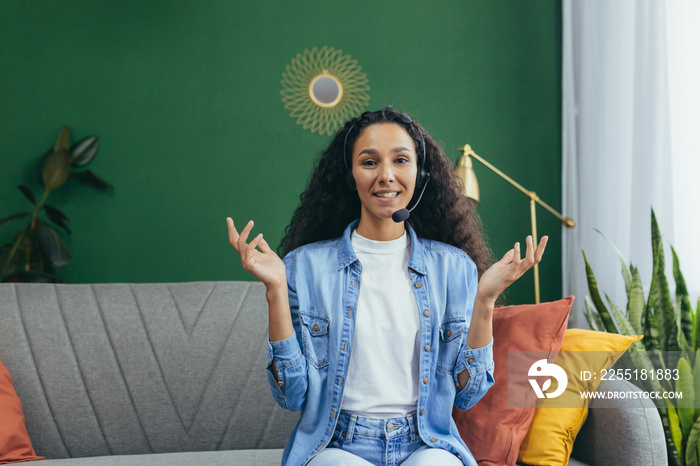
(465, 171)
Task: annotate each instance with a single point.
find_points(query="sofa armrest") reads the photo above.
(622, 431)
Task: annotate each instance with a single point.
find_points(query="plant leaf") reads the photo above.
(682, 299)
(595, 297)
(43, 160)
(686, 404)
(696, 379)
(27, 193)
(37, 259)
(642, 360)
(11, 256)
(675, 426)
(84, 151)
(635, 305)
(90, 179)
(663, 308)
(651, 299)
(622, 323)
(696, 323)
(38, 262)
(673, 452)
(592, 316)
(8, 264)
(63, 140)
(684, 344)
(691, 445)
(51, 244)
(651, 333)
(56, 169)
(57, 217)
(626, 275)
(12, 218)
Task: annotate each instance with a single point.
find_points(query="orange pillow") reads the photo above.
(14, 440)
(493, 431)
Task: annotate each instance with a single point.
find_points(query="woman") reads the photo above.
(379, 324)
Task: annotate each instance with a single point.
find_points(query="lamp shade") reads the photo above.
(465, 170)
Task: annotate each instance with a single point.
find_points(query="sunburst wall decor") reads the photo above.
(324, 88)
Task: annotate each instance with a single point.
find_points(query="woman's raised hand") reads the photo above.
(511, 267)
(264, 263)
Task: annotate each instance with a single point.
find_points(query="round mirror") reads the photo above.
(325, 90)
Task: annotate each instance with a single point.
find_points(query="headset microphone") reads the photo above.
(403, 214)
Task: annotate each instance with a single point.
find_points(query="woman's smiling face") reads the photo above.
(384, 166)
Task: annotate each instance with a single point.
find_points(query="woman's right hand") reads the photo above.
(264, 263)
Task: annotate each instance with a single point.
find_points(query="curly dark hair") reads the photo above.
(329, 204)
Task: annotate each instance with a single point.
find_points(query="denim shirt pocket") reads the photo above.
(451, 334)
(314, 332)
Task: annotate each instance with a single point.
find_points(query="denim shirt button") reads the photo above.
(418, 285)
(422, 411)
(425, 380)
(427, 347)
(433, 439)
(426, 313)
(470, 360)
(280, 383)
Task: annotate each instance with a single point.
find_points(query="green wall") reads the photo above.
(185, 96)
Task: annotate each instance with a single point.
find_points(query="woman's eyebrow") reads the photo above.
(372, 151)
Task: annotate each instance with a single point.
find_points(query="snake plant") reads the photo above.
(35, 250)
(671, 340)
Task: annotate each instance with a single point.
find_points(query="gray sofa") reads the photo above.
(173, 374)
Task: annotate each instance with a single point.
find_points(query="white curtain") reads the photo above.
(630, 74)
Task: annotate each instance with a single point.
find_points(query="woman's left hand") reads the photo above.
(511, 267)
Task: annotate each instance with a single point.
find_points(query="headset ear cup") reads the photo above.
(423, 174)
(423, 177)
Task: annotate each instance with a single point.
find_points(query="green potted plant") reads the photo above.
(37, 249)
(671, 343)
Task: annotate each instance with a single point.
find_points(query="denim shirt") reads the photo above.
(312, 364)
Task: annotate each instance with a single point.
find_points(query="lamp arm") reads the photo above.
(565, 220)
(468, 151)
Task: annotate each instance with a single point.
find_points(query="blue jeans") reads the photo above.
(386, 442)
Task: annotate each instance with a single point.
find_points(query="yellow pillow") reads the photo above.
(551, 436)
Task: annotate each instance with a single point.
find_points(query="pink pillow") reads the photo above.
(15, 445)
(493, 431)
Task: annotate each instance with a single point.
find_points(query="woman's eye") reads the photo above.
(368, 163)
(402, 160)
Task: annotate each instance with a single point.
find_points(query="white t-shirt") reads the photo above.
(382, 378)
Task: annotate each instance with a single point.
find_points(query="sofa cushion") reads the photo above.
(119, 369)
(492, 429)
